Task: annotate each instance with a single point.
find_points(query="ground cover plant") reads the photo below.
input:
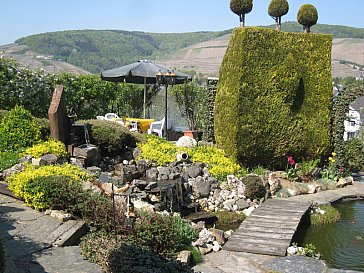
(8, 159)
(163, 152)
(326, 214)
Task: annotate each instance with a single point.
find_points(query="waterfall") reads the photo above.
(87, 136)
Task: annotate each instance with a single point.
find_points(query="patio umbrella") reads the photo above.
(142, 72)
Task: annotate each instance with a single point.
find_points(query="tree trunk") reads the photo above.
(306, 29)
(279, 23)
(242, 20)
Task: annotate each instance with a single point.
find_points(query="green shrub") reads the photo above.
(2, 114)
(274, 97)
(45, 129)
(254, 187)
(128, 258)
(162, 234)
(112, 138)
(18, 130)
(2, 258)
(354, 154)
(259, 170)
(51, 146)
(54, 192)
(33, 191)
(330, 216)
(227, 220)
(8, 159)
(97, 211)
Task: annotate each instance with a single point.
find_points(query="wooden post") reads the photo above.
(57, 114)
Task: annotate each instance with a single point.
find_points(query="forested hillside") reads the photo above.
(97, 50)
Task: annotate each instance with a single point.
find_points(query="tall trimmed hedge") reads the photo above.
(274, 97)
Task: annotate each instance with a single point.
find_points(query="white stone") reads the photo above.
(155, 198)
(248, 211)
(216, 247)
(292, 250)
(186, 141)
(235, 207)
(228, 233)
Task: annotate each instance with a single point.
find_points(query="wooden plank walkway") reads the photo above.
(269, 229)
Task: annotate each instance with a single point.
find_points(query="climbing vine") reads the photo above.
(340, 110)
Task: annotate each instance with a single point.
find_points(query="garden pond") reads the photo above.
(341, 244)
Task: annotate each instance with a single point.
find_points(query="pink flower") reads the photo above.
(291, 161)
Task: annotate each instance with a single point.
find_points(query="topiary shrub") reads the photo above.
(18, 130)
(2, 258)
(273, 103)
(307, 16)
(112, 138)
(51, 146)
(254, 187)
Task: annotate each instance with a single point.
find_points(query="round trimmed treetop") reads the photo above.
(241, 6)
(307, 15)
(278, 8)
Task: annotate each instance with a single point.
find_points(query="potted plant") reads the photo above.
(189, 98)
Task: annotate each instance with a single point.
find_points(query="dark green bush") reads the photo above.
(128, 258)
(2, 258)
(354, 155)
(112, 138)
(274, 97)
(115, 254)
(307, 16)
(97, 211)
(45, 129)
(254, 187)
(18, 130)
(162, 234)
(8, 159)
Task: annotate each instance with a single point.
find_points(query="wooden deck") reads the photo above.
(269, 229)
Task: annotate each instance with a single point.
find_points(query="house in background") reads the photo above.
(355, 116)
(352, 124)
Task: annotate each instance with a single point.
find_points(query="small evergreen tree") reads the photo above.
(240, 8)
(277, 9)
(307, 16)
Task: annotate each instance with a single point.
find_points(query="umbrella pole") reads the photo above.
(145, 96)
(165, 113)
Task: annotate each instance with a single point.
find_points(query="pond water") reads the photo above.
(342, 243)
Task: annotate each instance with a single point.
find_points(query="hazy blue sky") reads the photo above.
(20, 18)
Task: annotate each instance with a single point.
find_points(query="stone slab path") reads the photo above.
(241, 262)
(28, 238)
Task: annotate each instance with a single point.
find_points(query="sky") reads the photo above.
(21, 18)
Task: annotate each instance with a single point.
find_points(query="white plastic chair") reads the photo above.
(110, 116)
(156, 127)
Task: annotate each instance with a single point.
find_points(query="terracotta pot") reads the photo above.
(192, 134)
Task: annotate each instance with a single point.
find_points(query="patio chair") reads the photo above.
(110, 116)
(156, 127)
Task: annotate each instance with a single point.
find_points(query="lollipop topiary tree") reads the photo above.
(277, 9)
(307, 16)
(240, 8)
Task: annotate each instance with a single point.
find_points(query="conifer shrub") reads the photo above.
(18, 130)
(274, 97)
(254, 187)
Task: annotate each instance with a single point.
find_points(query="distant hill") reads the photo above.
(98, 50)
